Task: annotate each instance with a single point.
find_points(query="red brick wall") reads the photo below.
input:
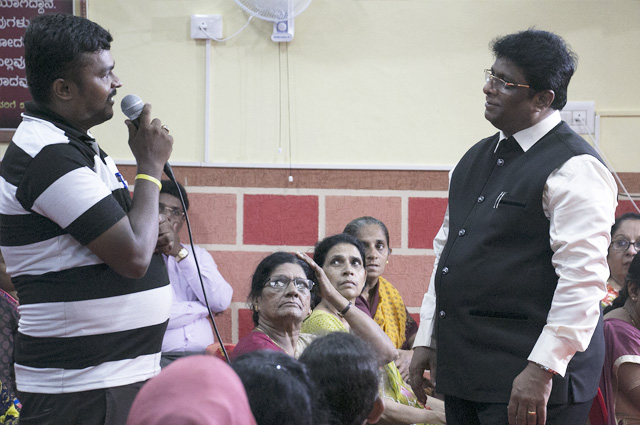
(242, 215)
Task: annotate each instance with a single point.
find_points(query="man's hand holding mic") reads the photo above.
(150, 143)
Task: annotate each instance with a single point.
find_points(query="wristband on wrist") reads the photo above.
(344, 310)
(545, 368)
(150, 178)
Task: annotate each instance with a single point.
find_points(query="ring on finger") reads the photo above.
(531, 412)
(166, 128)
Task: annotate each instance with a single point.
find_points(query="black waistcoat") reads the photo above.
(495, 280)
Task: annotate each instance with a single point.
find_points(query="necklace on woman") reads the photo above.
(259, 329)
(624, 307)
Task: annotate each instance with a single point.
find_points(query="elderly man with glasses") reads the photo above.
(513, 308)
(190, 329)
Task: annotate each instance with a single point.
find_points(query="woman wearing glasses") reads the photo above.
(280, 298)
(625, 241)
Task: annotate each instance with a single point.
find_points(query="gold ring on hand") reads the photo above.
(166, 128)
(531, 412)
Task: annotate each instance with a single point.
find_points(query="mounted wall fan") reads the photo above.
(280, 12)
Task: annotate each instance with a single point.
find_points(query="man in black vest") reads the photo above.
(513, 305)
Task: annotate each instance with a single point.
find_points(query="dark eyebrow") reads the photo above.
(109, 68)
(501, 76)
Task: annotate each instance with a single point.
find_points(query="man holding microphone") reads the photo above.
(94, 297)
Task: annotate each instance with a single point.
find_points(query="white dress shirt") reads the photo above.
(189, 328)
(579, 199)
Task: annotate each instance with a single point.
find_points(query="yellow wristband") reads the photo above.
(150, 178)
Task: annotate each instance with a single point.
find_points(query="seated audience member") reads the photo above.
(339, 261)
(190, 329)
(8, 327)
(625, 239)
(9, 413)
(339, 264)
(280, 298)
(620, 381)
(9, 405)
(195, 390)
(345, 371)
(279, 389)
(379, 298)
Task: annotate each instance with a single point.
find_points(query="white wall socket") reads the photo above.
(580, 116)
(212, 24)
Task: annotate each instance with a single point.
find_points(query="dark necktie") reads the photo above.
(509, 145)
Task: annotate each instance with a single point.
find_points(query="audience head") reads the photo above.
(56, 46)
(375, 237)
(278, 386)
(543, 57)
(287, 300)
(342, 257)
(630, 290)
(194, 390)
(170, 204)
(625, 233)
(169, 187)
(349, 393)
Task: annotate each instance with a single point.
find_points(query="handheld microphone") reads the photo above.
(131, 106)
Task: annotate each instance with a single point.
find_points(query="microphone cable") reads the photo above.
(169, 172)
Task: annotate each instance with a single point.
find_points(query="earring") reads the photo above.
(387, 261)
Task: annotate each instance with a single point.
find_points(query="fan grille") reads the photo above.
(274, 10)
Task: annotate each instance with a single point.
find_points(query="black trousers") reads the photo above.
(465, 412)
(108, 406)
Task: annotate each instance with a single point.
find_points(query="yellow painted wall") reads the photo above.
(372, 83)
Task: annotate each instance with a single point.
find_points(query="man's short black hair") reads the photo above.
(544, 58)
(54, 46)
(170, 188)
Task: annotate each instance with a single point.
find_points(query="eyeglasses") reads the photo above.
(623, 245)
(167, 210)
(280, 283)
(499, 83)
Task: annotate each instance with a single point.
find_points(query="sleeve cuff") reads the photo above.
(552, 352)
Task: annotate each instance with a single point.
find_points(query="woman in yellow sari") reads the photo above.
(380, 299)
(339, 261)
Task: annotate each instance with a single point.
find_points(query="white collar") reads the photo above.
(529, 136)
